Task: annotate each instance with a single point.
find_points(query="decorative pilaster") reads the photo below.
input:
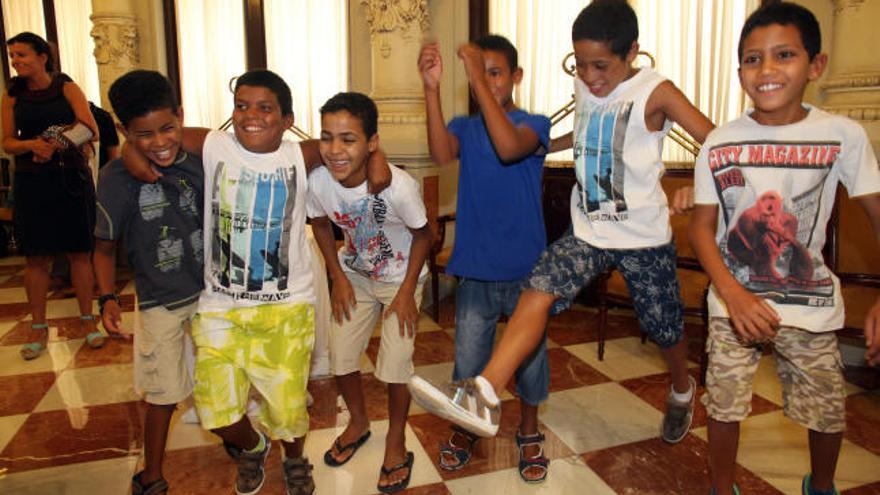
(396, 31)
(116, 47)
(853, 84)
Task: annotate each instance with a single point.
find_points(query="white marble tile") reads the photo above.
(13, 260)
(600, 416)
(87, 478)
(56, 358)
(776, 449)
(625, 358)
(569, 475)
(361, 474)
(128, 289)
(9, 426)
(93, 386)
(6, 327)
(66, 308)
(183, 434)
(13, 295)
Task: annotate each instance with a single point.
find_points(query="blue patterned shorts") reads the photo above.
(570, 264)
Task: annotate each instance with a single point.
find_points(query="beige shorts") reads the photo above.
(161, 373)
(809, 368)
(349, 339)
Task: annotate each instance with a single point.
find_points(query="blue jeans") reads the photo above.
(478, 305)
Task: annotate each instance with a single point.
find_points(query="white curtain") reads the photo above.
(22, 15)
(76, 46)
(693, 42)
(307, 45)
(212, 51)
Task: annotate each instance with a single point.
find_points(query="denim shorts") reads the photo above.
(570, 264)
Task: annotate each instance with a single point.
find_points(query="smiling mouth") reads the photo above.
(763, 88)
(163, 155)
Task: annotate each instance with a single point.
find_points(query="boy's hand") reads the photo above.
(342, 298)
(472, 56)
(872, 334)
(111, 317)
(138, 165)
(753, 318)
(404, 306)
(682, 201)
(430, 65)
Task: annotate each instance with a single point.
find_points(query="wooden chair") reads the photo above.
(438, 259)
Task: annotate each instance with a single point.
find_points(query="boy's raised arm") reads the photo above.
(752, 317)
(512, 143)
(871, 205)
(442, 144)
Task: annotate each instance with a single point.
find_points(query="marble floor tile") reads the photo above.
(12, 295)
(87, 478)
(599, 416)
(625, 358)
(432, 348)
(14, 311)
(56, 357)
(775, 448)
(5, 328)
(65, 308)
(863, 421)
(9, 426)
(566, 475)
(870, 489)
(115, 351)
(21, 393)
(81, 387)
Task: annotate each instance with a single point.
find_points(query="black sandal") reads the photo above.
(157, 487)
(353, 446)
(462, 454)
(402, 484)
(537, 461)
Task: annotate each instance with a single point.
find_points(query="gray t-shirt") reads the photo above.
(162, 227)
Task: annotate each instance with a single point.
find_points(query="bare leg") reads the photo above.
(353, 393)
(395, 441)
(294, 449)
(156, 422)
(83, 279)
(522, 335)
(824, 449)
(723, 444)
(676, 359)
(240, 434)
(36, 284)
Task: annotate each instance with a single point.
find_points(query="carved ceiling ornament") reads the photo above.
(116, 40)
(387, 16)
(841, 5)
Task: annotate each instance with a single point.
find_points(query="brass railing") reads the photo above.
(678, 135)
(303, 135)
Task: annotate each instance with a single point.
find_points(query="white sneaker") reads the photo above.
(465, 405)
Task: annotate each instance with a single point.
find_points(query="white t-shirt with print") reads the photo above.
(255, 240)
(376, 227)
(775, 189)
(618, 202)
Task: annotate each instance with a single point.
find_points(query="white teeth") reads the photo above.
(769, 87)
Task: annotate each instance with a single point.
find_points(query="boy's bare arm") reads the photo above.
(104, 260)
(512, 143)
(404, 303)
(194, 139)
(341, 293)
(378, 171)
(564, 142)
(668, 102)
(442, 144)
(140, 167)
(752, 317)
(871, 205)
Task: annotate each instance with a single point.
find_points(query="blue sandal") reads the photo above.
(461, 454)
(536, 461)
(807, 487)
(96, 339)
(32, 350)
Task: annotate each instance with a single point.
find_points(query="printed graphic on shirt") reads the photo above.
(598, 158)
(169, 251)
(152, 201)
(368, 250)
(768, 243)
(251, 215)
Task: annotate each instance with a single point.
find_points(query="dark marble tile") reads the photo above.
(654, 467)
(490, 454)
(863, 421)
(12, 269)
(433, 489)
(871, 489)
(14, 311)
(22, 393)
(16, 280)
(68, 328)
(863, 377)
(577, 326)
(49, 438)
(115, 351)
(431, 348)
(566, 372)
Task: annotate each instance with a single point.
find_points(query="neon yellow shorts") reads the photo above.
(269, 346)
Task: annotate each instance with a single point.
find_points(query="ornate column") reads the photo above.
(853, 84)
(115, 31)
(396, 30)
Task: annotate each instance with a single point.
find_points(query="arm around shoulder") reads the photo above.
(674, 105)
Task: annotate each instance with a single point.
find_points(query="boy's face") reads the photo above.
(501, 78)
(774, 71)
(345, 147)
(601, 69)
(257, 120)
(157, 135)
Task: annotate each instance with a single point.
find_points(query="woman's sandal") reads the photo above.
(96, 339)
(32, 350)
(157, 487)
(402, 484)
(461, 454)
(537, 461)
(353, 447)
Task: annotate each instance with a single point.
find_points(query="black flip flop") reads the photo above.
(402, 484)
(353, 446)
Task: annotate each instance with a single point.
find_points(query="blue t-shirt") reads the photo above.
(499, 225)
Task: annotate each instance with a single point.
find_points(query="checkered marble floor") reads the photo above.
(71, 424)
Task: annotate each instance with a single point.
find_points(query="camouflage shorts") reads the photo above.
(570, 264)
(808, 365)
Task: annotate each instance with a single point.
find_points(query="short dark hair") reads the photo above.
(140, 92)
(608, 21)
(502, 45)
(357, 104)
(785, 13)
(264, 78)
(39, 45)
